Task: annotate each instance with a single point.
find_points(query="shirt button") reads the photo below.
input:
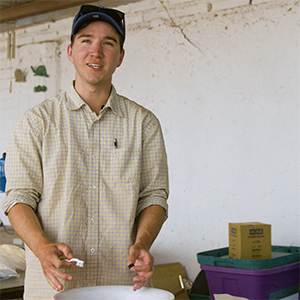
(93, 219)
(92, 250)
(94, 187)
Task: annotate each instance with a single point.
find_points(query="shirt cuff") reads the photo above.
(147, 201)
(26, 196)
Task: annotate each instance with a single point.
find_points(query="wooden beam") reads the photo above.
(37, 7)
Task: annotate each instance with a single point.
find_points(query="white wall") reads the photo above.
(225, 86)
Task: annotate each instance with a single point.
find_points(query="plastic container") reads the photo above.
(198, 297)
(281, 255)
(2, 175)
(273, 283)
(116, 292)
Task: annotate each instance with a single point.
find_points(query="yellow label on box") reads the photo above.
(250, 240)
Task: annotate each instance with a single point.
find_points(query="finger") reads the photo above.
(63, 263)
(131, 261)
(52, 275)
(51, 255)
(61, 275)
(143, 277)
(137, 286)
(130, 265)
(65, 250)
(140, 262)
(55, 284)
(134, 253)
(140, 284)
(146, 267)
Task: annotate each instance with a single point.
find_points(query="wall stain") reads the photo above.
(55, 41)
(173, 24)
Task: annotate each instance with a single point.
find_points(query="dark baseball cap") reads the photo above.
(89, 13)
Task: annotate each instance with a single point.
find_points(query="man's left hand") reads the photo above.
(143, 264)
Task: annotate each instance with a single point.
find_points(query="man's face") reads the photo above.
(95, 54)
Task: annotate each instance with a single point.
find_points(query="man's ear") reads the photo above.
(121, 58)
(69, 53)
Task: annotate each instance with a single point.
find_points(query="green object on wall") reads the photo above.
(40, 71)
(40, 89)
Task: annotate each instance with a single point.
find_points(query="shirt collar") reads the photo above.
(75, 101)
(113, 102)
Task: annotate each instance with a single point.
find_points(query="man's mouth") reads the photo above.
(95, 66)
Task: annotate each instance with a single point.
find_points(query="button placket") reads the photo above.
(92, 202)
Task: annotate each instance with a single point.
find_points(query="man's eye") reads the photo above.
(85, 41)
(108, 43)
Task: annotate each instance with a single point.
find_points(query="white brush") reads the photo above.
(79, 263)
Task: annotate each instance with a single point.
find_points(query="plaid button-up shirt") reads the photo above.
(87, 177)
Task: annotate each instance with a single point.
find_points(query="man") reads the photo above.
(87, 173)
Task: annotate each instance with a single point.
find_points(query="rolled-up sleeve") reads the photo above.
(23, 166)
(154, 188)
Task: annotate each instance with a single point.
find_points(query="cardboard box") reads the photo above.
(250, 240)
(167, 277)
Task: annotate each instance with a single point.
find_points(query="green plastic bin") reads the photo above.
(198, 297)
(281, 255)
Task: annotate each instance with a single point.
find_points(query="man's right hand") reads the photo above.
(49, 256)
(26, 224)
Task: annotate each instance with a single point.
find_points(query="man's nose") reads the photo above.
(97, 50)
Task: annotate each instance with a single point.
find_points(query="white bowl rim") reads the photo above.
(110, 287)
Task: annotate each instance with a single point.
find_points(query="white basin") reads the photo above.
(114, 292)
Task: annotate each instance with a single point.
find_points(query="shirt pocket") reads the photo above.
(120, 165)
(124, 165)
